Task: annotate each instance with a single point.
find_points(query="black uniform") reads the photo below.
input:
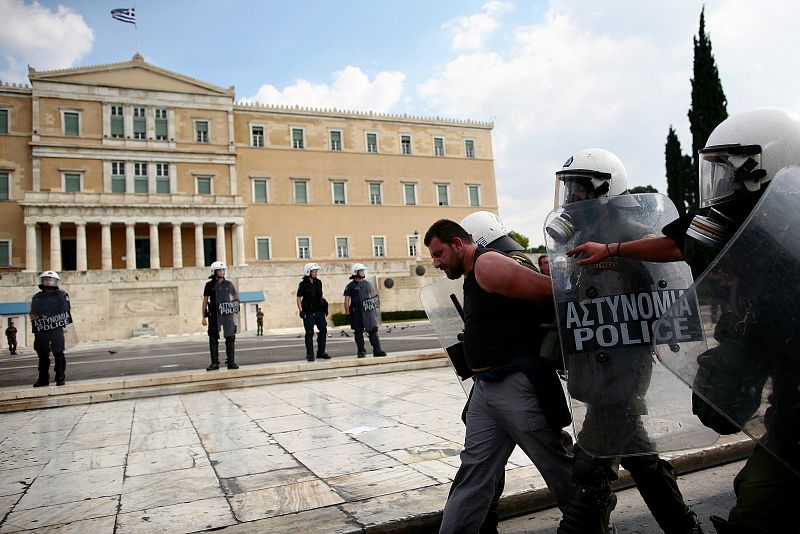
(627, 376)
(51, 309)
(355, 314)
(213, 329)
(761, 312)
(315, 308)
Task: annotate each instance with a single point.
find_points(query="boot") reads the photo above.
(60, 367)
(376, 343)
(213, 347)
(321, 340)
(589, 509)
(41, 382)
(359, 335)
(230, 352)
(656, 482)
(726, 527)
(44, 370)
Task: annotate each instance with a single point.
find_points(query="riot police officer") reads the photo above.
(220, 309)
(612, 421)
(362, 306)
(50, 313)
(755, 340)
(313, 308)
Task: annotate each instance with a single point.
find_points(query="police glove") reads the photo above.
(302, 315)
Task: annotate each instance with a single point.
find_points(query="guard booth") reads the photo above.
(17, 312)
(247, 314)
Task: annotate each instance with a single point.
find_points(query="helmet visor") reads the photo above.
(48, 281)
(571, 187)
(725, 171)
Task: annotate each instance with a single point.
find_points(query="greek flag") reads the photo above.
(125, 15)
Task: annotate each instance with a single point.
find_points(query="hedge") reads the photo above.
(340, 319)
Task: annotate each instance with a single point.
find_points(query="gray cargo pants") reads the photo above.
(503, 414)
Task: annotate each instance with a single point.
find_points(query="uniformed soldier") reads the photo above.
(11, 336)
(755, 341)
(50, 313)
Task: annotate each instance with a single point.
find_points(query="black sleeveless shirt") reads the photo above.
(499, 329)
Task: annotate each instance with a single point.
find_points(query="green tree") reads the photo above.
(709, 105)
(519, 238)
(642, 189)
(541, 249)
(679, 173)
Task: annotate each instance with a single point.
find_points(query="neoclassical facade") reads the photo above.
(129, 166)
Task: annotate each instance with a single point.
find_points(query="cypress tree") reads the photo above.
(679, 173)
(709, 105)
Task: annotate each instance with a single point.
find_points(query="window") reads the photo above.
(342, 248)
(474, 194)
(410, 194)
(117, 176)
(5, 186)
(257, 136)
(203, 185)
(336, 140)
(338, 192)
(442, 194)
(378, 246)
(139, 123)
(300, 192)
(162, 179)
(469, 148)
(5, 253)
(405, 144)
(303, 248)
(201, 131)
(72, 182)
(438, 146)
(413, 245)
(72, 123)
(372, 142)
(263, 248)
(375, 196)
(297, 138)
(161, 124)
(117, 121)
(259, 191)
(140, 177)
(3, 121)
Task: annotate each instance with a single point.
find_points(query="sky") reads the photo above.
(555, 76)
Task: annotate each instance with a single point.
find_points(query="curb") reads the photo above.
(153, 385)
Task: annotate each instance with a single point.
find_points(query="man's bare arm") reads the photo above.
(659, 249)
(500, 274)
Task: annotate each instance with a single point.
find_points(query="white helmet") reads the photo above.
(487, 230)
(219, 266)
(49, 279)
(358, 267)
(745, 151)
(590, 173)
(308, 267)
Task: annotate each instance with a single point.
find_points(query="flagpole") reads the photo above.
(136, 31)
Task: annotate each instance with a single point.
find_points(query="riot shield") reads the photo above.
(442, 301)
(622, 403)
(747, 366)
(54, 315)
(370, 305)
(227, 307)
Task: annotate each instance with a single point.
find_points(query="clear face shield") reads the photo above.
(727, 170)
(48, 281)
(572, 188)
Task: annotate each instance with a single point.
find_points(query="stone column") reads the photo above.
(155, 250)
(80, 247)
(238, 234)
(177, 246)
(105, 245)
(31, 247)
(221, 242)
(55, 246)
(130, 246)
(199, 257)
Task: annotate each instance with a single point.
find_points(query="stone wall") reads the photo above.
(115, 304)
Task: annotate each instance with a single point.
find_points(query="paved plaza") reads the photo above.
(363, 453)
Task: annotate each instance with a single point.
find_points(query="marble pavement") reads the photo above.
(333, 455)
(370, 453)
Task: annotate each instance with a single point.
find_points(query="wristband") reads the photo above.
(609, 251)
